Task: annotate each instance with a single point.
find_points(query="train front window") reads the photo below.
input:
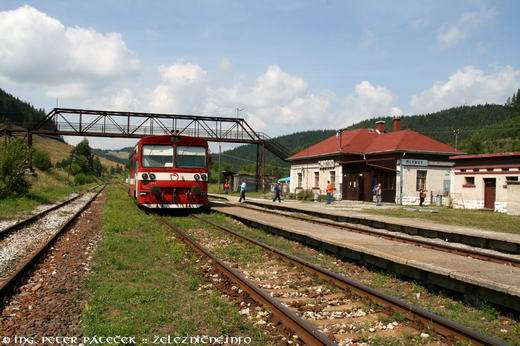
(191, 156)
(157, 156)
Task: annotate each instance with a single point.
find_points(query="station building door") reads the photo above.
(356, 186)
(489, 193)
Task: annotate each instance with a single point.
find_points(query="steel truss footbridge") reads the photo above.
(116, 124)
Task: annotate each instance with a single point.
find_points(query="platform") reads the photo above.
(475, 279)
(499, 241)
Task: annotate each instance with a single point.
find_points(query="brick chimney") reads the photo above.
(396, 124)
(380, 126)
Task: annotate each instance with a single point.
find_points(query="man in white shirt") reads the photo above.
(242, 191)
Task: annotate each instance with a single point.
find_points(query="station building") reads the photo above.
(487, 181)
(402, 161)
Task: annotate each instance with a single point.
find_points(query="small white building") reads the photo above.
(487, 181)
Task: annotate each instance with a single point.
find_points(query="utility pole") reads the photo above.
(239, 110)
(219, 169)
(456, 134)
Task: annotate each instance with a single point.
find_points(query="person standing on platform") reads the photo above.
(277, 193)
(330, 190)
(242, 191)
(422, 196)
(378, 194)
(226, 187)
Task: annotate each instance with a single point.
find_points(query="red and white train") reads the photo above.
(169, 172)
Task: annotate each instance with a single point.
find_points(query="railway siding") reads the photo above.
(475, 279)
(47, 302)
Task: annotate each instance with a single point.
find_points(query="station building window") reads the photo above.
(511, 178)
(316, 179)
(421, 180)
(332, 177)
(300, 179)
(469, 181)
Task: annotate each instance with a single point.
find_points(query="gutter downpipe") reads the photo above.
(401, 179)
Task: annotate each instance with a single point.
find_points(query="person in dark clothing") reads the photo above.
(277, 192)
(422, 196)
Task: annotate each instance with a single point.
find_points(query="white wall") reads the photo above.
(473, 197)
(308, 171)
(435, 177)
(513, 199)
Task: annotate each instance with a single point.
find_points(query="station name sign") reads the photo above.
(326, 164)
(414, 162)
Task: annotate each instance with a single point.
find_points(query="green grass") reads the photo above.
(498, 222)
(145, 283)
(482, 318)
(46, 187)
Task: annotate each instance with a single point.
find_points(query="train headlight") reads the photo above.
(144, 176)
(197, 177)
(152, 176)
(204, 176)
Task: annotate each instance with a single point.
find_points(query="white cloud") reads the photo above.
(368, 101)
(276, 100)
(275, 86)
(37, 49)
(468, 86)
(449, 35)
(183, 89)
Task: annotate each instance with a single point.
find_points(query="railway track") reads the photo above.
(24, 243)
(460, 249)
(321, 307)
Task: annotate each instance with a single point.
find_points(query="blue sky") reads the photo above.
(292, 65)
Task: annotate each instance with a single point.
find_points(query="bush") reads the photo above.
(14, 155)
(82, 179)
(41, 160)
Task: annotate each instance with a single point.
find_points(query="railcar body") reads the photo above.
(169, 172)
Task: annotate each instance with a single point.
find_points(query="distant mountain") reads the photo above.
(245, 155)
(476, 129)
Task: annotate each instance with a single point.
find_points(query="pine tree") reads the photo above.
(516, 102)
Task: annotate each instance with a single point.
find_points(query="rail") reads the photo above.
(439, 324)
(7, 285)
(306, 331)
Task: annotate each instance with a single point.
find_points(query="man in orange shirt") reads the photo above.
(330, 190)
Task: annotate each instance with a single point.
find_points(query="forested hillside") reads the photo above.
(119, 156)
(463, 122)
(16, 111)
(244, 157)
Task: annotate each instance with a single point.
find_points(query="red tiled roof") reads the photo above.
(369, 141)
(478, 156)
